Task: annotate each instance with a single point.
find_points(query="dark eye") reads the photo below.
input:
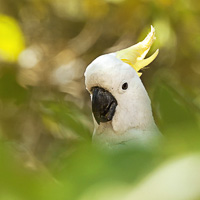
(125, 86)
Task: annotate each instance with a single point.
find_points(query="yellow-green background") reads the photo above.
(45, 111)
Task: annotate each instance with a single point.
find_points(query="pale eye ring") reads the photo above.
(125, 86)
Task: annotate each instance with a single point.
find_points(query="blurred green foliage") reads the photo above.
(45, 116)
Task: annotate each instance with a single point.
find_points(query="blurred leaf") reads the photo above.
(10, 90)
(89, 166)
(177, 117)
(19, 183)
(67, 115)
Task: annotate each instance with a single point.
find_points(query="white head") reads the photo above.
(120, 98)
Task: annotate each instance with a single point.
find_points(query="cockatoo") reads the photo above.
(121, 106)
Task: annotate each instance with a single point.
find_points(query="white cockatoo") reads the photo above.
(120, 104)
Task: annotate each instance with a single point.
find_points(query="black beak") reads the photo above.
(103, 105)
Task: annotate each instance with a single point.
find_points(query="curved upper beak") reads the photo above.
(103, 105)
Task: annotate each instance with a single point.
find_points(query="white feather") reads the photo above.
(133, 120)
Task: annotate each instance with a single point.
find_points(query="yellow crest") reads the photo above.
(135, 54)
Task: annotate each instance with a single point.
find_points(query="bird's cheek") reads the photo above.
(118, 121)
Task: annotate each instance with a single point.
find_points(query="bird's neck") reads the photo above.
(105, 135)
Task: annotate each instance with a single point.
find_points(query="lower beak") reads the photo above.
(103, 105)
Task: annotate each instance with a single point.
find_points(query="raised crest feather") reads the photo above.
(135, 54)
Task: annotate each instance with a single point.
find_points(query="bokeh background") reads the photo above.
(45, 111)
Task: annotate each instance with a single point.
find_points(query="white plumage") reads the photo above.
(132, 120)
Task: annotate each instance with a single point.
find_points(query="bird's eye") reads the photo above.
(125, 86)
